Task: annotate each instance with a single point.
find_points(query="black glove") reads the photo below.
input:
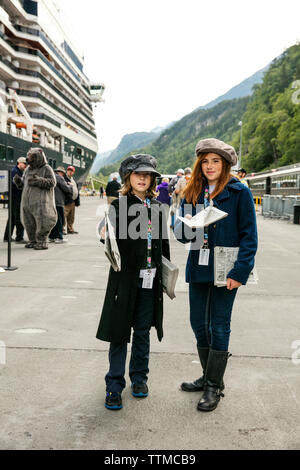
(18, 181)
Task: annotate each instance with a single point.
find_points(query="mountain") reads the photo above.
(270, 121)
(245, 88)
(131, 142)
(97, 163)
(175, 147)
(160, 129)
(270, 117)
(128, 144)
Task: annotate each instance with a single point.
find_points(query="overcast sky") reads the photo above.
(161, 59)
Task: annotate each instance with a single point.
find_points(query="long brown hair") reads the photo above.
(198, 181)
(127, 188)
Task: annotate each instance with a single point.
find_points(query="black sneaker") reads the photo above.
(113, 401)
(139, 390)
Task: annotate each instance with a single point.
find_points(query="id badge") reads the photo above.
(204, 256)
(148, 275)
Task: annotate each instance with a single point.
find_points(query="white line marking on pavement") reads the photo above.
(85, 282)
(30, 330)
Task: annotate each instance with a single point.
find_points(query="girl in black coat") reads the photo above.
(134, 295)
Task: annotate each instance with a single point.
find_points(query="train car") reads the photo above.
(284, 181)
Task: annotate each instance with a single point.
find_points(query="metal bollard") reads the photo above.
(296, 214)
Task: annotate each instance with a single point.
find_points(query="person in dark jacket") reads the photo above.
(174, 196)
(72, 201)
(112, 190)
(16, 203)
(164, 196)
(61, 191)
(211, 306)
(134, 295)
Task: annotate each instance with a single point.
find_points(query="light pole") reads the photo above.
(240, 152)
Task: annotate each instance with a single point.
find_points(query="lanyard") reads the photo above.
(147, 203)
(206, 204)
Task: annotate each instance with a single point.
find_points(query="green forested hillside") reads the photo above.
(176, 146)
(271, 124)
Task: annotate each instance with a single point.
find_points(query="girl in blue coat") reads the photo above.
(211, 306)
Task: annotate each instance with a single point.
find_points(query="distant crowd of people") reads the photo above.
(43, 201)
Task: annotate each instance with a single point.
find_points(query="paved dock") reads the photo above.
(52, 384)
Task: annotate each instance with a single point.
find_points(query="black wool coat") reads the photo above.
(122, 287)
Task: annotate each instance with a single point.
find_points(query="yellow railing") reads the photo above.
(257, 201)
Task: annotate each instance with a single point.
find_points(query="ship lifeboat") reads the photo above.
(35, 137)
(20, 125)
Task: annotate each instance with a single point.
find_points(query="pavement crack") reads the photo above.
(239, 356)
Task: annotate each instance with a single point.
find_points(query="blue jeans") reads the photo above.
(210, 314)
(140, 348)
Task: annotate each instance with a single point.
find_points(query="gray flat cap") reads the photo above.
(219, 147)
(140, 162)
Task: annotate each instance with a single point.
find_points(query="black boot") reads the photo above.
(197, 385)
(215, 369)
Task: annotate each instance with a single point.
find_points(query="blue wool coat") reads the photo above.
(237, 229)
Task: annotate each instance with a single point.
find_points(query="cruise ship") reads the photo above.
(46, 100)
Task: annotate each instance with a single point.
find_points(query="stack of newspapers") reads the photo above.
(169, 277)
(224, 259)
(111, 249)
(205, 217)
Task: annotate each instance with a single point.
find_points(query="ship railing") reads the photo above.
(35, 94)
(39, 54)
(26, 30)
(44, 116)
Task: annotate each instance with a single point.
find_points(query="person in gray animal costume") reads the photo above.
(38, 212)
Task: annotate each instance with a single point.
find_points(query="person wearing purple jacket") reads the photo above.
(164, 196)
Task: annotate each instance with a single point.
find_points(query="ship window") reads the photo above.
(79, 151)
(2, 152)
(10, 154)
(53, 164)
(50, 162)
